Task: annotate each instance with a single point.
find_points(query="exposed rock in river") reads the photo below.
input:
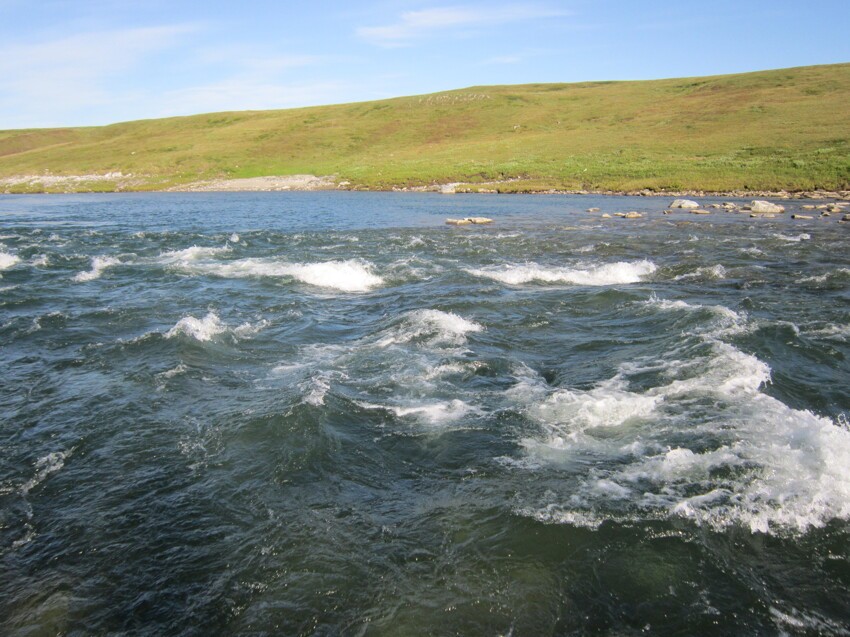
(469, 220)
(763, 207)
(684, 203)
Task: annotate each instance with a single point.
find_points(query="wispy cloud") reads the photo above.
(414, 25)
(74, 71)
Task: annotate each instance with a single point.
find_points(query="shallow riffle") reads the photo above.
(330, 413)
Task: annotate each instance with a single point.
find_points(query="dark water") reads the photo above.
(329, 413)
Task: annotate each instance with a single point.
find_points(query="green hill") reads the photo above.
(784, 129)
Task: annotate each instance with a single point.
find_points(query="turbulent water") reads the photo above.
(329, 413)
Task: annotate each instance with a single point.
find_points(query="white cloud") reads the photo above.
(414, 25)
(40, 82)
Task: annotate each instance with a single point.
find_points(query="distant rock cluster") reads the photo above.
(758, 208)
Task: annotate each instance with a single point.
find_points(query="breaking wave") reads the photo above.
(98, 265)
(207, 328)
(744, 457)
(346, 276)
(8, 260)
(618, 273)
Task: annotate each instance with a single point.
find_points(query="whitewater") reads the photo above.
(330, 413)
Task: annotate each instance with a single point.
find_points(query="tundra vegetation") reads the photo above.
(773, 130)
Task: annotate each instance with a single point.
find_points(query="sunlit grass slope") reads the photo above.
(783, 129)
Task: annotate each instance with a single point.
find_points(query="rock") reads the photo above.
(619, 214)
(468, 221)
(632, 215)
(593, 209)
(801, 216)
(684, 203)
(808, 207)
(764, 207)
(845, 218)
(605, 215)
(713, 205)
(763, 215)
(825, 214)
(700, 211)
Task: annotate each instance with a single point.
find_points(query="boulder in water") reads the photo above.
(684, 203)
(469, 220)
(764, 207)
(632, 215)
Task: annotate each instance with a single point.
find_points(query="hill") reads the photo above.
(771, 130)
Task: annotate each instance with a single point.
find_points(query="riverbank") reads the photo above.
(120, 182)
(752, 134)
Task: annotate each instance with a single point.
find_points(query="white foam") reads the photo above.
(41, 261)
(191, 254)
(832, 331)
(805, 622)
(823, 278)
(771, 468)
(607, 405)
(8, 260)
(435, 326)
(234, 238)
(45, 466)
(795, 238)
(618, 273)
(437, 413)
(200, 329)
(347, 276)
(706, 272)
(98, 265)
(249, 329)
(315, 389)
(724, 317)
(174, 371)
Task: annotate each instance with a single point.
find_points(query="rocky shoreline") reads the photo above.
(118, 182)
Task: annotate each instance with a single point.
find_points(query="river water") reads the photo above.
(330, 413)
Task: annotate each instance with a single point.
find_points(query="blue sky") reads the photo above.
(70, 63)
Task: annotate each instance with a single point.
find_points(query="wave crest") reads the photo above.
(619, 273)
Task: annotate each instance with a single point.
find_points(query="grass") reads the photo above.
(787, 129)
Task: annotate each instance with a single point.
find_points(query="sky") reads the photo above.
(94, 62)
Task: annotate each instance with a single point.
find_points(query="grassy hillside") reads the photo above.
(785, 129)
